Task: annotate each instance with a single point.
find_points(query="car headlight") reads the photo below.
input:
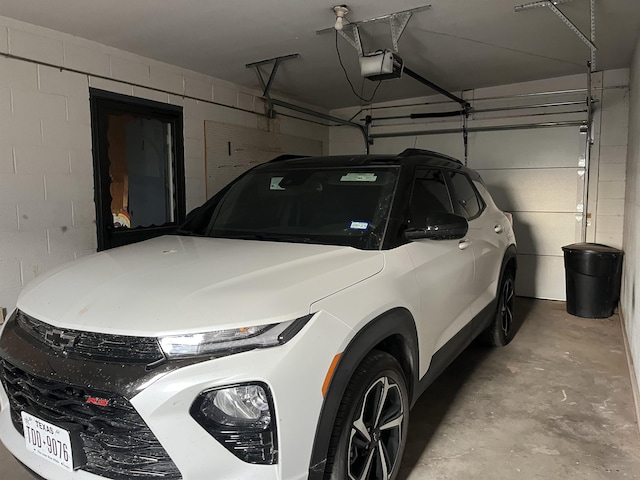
(241, 406)
(232, 340)
(241, 418)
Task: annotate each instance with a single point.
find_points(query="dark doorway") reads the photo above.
(138, 168)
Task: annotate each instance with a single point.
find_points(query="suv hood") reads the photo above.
(178, 284)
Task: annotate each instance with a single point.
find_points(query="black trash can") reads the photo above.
(593, 273)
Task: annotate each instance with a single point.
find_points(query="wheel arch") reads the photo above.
(509, 261)
(393, 332)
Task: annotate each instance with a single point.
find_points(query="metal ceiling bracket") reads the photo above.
(266, 86)
(570, 24)
(539, 4)
(364, 130)
(383, 18)
(551, 4)
(397, 30)
(355, 42)
(397, 21)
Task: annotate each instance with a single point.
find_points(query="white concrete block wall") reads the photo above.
(612, 159)
(47, 211)
(38, 47)
(630, 296)
(42, 129)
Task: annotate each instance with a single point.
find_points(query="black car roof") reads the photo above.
(410, 156)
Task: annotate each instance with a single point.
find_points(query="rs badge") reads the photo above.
(101, 402)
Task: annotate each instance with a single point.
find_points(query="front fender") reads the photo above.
(394, 332)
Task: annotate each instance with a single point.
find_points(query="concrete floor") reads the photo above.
(555, 404)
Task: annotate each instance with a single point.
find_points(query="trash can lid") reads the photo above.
(590, 248)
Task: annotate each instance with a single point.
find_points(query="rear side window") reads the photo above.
(466, 201)
(429, 195)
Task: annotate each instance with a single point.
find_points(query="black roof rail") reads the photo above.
(413, 152)
(287, 156)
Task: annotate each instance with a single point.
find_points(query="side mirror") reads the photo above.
(440, 226)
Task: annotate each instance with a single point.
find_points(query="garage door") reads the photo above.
(532, 173)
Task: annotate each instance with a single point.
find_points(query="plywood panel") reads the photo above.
(230, 150)
(300, 145)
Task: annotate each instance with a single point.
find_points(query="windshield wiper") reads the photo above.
(187, 233)
(266, 237)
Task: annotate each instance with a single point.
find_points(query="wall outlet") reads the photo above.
(3, 312)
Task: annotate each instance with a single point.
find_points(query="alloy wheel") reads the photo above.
(377, 432)
(506, 310)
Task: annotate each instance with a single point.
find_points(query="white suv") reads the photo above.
(283, 333)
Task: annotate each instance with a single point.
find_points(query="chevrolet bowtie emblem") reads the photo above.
(59, 339)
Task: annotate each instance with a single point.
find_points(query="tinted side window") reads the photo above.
(466, 200)
(430, 194)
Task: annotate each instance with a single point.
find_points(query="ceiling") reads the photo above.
(457, 44)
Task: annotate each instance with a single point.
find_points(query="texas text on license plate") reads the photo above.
(47, 440)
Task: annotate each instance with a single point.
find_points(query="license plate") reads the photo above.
(47, 440)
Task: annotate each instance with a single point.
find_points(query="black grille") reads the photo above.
(97, 346)
(116, 441)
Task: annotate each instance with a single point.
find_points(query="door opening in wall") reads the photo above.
(138, 168)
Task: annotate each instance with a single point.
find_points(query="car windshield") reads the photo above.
(336, 206)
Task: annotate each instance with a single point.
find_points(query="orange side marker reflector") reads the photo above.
(332, 369)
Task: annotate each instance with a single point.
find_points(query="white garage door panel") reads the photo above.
(540, 276)
(532, 173)
(391, 146)
(539, 148)
(449, 144)
(544, 233)
(533, 190)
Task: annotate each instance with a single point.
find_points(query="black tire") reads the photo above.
(503, 328)
(368, 429)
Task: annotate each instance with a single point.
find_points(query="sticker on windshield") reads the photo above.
(275, 183)
(359, 177)
(359, 225)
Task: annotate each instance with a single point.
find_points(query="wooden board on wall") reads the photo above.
(230, 150)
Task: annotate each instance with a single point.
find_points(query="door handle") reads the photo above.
(464, 244)
(498, 229)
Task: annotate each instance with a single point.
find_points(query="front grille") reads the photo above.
(116, 441)
(96, 346)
